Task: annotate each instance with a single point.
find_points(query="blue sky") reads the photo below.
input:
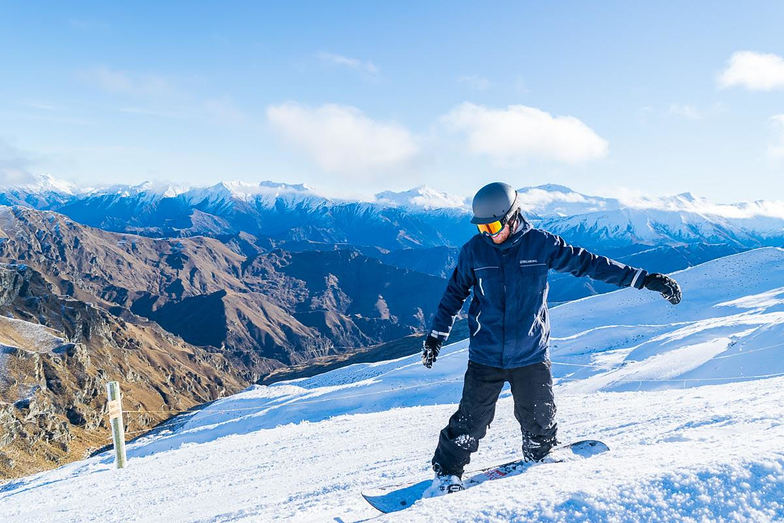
(357, 97)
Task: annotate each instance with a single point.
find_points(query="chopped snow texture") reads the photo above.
(303, 450)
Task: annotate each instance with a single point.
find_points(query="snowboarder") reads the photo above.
(506, 265)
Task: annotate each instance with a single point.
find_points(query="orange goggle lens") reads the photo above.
(490, 229)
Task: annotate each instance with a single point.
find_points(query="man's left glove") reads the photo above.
(668, 287)
(430, 350)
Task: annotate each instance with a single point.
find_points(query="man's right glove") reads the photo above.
(430, 350)
(668, 287)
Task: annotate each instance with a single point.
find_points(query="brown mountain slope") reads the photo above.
(56, 355)
(263, 309)
(175, 282)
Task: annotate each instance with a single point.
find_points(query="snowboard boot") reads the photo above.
(443, 484)
(536, 448)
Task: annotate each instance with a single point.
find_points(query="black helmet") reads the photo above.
(495, 201)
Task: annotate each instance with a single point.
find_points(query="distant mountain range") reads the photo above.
(420, 229)
(420, 217)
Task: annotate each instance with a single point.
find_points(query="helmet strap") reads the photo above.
(513, 220)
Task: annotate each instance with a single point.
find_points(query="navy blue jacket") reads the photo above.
(508, 317)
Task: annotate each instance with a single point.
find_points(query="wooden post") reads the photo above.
(116, 422)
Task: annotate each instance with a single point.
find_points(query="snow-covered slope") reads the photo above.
(700, 435)
(677, 455)
(730, 325)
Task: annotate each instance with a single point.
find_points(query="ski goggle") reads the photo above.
(490, 229)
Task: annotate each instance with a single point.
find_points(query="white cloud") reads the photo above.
(344, 61)
(124, 82)
(519, 132)
(475, 82)
(776, 148)
(754, 71)
(341, 138)
(14, 165)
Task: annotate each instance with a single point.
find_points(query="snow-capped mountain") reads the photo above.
(553, 200)
(672, 220)
(557, 200)
(687, 397)
(43, 192)
(423, 197)
(265, 192)
(43, 184)
(420, 217)
(283, 212)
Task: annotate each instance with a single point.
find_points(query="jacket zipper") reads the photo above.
(503, 318)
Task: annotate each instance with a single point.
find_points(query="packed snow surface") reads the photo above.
(688, 397)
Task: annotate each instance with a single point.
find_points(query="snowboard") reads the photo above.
(398, 497)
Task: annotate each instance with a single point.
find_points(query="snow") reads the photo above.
(151, 190)
(558, 200)
(423, 197)
(245, 191)
(698, 436)
(731, 306)
(44, 183)
(716, 451)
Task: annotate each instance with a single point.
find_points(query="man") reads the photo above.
(506, 266)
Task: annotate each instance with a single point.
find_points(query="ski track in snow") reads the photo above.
(675, 392)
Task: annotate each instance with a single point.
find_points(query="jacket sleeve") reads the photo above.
(576, 260)
(456, 292)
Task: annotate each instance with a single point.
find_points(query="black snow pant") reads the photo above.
(534, 408)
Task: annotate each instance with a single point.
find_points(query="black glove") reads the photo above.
(430, 350)
(668, 287)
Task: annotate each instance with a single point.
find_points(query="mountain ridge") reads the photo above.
(420, 217)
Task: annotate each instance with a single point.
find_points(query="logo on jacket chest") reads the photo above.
(528, 262)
